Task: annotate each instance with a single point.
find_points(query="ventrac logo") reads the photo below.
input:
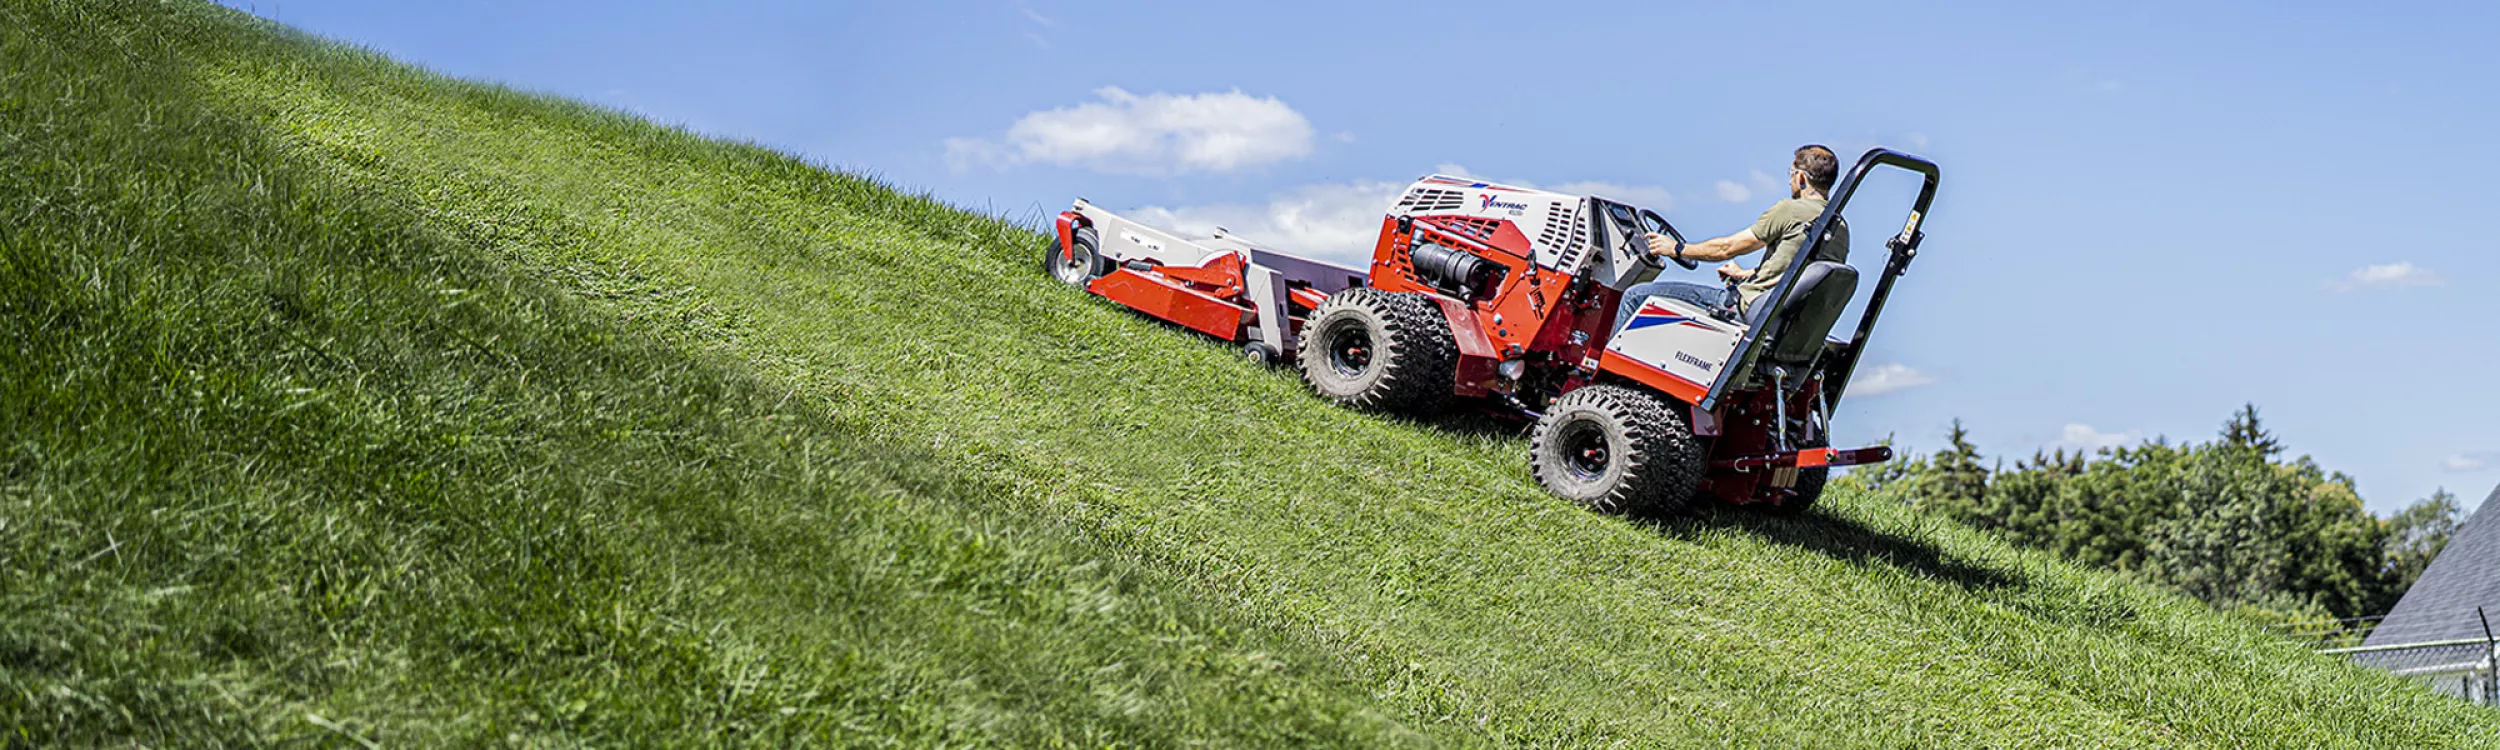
(1492, 201)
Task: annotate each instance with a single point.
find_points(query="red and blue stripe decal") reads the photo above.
(1654, 314)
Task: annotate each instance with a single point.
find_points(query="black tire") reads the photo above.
(1380, 351)
(1616, 450)
(1261, 353)
(1809, 484)
(1077, 268)
(1809, 489)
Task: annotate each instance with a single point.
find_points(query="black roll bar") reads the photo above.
(1904, 247)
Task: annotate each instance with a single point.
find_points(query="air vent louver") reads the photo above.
(1428, 200)
(1566, 233)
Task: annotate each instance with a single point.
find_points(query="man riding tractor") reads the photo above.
(1782, 228)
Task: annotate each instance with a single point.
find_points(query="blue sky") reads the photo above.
(2150, 214)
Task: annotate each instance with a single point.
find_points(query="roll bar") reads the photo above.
(1904, 247)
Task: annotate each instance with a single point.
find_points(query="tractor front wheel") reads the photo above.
(1616, 450)
(1380, 351)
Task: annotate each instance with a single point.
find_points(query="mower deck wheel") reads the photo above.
(1079, 267)
(1261, 353)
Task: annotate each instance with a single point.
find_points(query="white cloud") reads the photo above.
(2082, 436)
(2397, 274)
(1154, 134)
(1732, 192)
(1886, 378)
(1915, 140)
(1332, 222)
(1040, 21)
(1035, 15)
(2471, 461)
(1766, 184)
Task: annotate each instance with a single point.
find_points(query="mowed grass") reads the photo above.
(350, 403)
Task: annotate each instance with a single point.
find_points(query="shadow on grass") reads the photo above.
(1832, 536)
(1843, 539)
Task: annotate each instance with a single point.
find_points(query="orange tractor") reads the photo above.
(1505, 297)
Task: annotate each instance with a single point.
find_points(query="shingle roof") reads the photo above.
(2440, 606)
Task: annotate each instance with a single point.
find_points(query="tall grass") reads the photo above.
(352, 403)
(280, 462)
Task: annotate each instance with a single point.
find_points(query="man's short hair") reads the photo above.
(1822, 167)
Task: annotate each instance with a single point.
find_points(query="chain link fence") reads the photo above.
(2461, 668)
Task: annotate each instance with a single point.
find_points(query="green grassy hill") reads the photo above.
(345, 403)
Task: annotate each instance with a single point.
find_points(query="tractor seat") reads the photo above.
(1823, 289)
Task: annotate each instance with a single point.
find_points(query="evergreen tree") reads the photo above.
(1953, 481)
(2244, 430)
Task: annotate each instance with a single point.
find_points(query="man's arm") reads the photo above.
(1725, 248)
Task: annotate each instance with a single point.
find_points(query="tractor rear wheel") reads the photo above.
(1083, 264)
(1809, 484)
(1380, 351)
(1616, 450)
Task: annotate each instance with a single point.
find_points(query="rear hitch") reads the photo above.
(1808, 459)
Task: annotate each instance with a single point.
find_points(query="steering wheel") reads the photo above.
(1655, 224)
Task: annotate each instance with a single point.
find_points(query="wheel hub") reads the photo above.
(1350, 351)
(1067, 266)
(1585, 451)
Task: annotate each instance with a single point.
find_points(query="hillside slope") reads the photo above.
(352, 400)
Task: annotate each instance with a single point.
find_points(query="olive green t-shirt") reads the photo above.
(1783, 228)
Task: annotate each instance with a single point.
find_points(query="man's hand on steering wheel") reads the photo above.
(1666, 247)
(1663, 240)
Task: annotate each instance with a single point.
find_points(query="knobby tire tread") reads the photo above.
(1413, 346)
(1662, 467)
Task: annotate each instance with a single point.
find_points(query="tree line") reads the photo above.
(2230, 521)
